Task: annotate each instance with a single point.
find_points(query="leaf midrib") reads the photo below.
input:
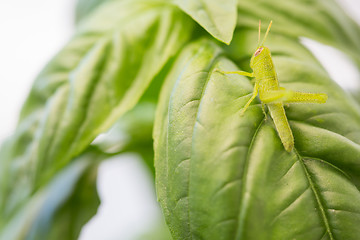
(317, 196)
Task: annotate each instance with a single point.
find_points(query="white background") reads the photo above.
(31, 32)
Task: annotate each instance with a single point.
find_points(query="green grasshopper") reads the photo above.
(271, 94)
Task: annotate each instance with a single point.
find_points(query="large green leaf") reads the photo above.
(223, 176)
(58, 210)
(171, 187)
(99, 75)
(216, 17)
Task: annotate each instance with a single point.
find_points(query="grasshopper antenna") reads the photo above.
(259, 33)
(267, 32)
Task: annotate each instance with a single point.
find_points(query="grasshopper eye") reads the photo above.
(258, 51)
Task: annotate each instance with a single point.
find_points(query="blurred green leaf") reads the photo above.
(223, 176)
(99, 76)
(85, 8)
(324, 21)
(58, 210)
(82, 92)
(131, 133)
(216, 17)
(356, 94)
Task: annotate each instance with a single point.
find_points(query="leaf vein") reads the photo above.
(291, 203)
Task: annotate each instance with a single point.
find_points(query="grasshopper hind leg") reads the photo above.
(277, 113)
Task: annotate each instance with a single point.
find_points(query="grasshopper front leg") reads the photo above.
(254, 94)
(243, 73)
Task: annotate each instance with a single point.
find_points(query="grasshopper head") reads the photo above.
(261, 50)
(259, 54)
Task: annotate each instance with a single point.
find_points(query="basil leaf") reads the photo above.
(216, 17)
(224, 176)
